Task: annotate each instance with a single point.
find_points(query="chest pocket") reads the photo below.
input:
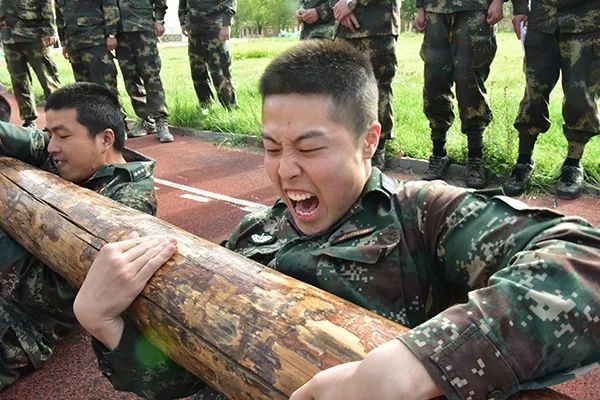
(263, 254)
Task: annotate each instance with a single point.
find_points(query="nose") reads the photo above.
(52, 145)
(288, 166)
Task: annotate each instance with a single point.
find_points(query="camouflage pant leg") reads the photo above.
(140, 64)
(198, 56)
(20, 77)
(457, 48)
(438, 74)
(474, 52)
(580, 58)
(44, 67)
(542, 68)
(219, 66)
(382, 53)
(95, 64)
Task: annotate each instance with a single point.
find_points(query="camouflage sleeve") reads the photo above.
(60, 24)
(48, 18)
(137, 366)
(110, 10)
(160, 9)
(182, 12)
(229, 8)
(520, 7)
(137, 195)
(532, 318)
(28, 145)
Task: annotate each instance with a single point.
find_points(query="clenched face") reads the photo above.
(316, 164)
(76, 154)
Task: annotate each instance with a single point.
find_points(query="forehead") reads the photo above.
(288, 116)
(65, 118)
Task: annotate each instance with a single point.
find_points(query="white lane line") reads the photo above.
(195, 198)
(245, 205)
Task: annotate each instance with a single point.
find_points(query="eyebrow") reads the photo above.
(57, 127)
(304, 136)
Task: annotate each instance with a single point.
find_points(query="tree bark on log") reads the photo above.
(247, 330)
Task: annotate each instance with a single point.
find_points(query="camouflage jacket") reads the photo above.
(86, 23)
(500, 297)
(567, 16)
(206, 16)
(29, 288)
(376, 18)
(140, 15)
(452, 6)
(25, 20)
(324, 27)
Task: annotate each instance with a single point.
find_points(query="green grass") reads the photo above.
(505, 88)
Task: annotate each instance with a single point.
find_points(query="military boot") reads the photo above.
(475, 173)
(519, 177)
(147, 126)
(436, 168)
(570, 182)
(162, 130)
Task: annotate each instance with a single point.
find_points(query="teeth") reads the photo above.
(299, 196)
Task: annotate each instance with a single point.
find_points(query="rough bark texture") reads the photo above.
(249, 331)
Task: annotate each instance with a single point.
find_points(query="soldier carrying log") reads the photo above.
(500, 297)
(84, 144)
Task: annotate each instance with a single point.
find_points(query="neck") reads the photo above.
(114, 157)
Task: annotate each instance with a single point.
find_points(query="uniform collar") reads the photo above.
(137, 167)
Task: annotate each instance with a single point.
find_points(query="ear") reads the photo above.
(107, 138)
(371, 140)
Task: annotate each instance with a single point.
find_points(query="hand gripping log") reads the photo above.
(247, 330)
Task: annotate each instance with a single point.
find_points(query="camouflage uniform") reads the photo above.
(379, 27)
(562, 36)
(23, 24)
(458, 48)
(203, 20)
(500, 297)
(36, 303)
(324, 27)
(83, 26)
(138, 56)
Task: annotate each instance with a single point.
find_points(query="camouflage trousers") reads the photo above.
(95, 64)
(140, 65)
(382, 52)
(35, 311)
(18, 57)
(577, 57)
(457, 49)
(211, 56)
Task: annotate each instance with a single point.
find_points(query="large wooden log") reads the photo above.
(249, 331)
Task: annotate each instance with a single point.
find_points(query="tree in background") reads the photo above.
(259, 14)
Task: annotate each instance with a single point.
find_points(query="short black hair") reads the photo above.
(5, 110)
(97, 108)
(328, 68)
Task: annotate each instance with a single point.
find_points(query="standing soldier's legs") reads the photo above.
(44, 67)
(128, 64)
(101, 67)
(198, 56)
(219, 64)
(145, 46)
(473, 49)
(20, 77)
(580, 64)
(437, 89)
(542, 68)
(80, 69)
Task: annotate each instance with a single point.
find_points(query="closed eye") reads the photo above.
(313, 150)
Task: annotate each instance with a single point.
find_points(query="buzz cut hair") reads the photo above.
(333, 69)
(97, 109)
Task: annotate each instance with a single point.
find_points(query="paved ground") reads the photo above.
(206, 189)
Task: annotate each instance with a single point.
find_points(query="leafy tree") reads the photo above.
(261, 13)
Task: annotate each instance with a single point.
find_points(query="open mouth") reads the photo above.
(59, 163)
(305, 204)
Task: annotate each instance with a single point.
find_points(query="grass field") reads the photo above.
(505, 88)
